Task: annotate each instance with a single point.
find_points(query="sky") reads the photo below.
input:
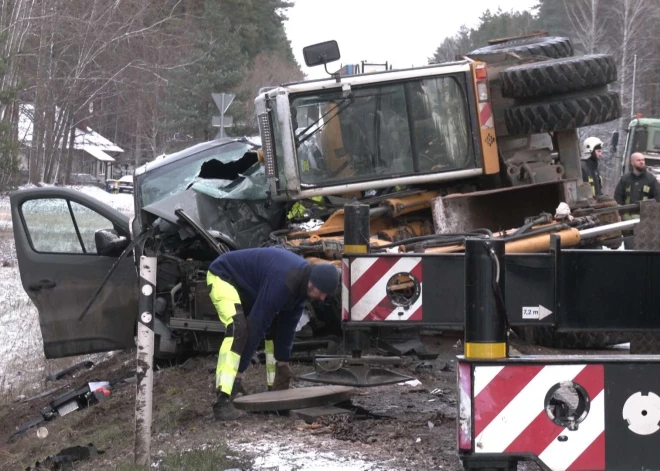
(404, 33)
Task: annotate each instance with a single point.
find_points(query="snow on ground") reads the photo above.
(22, 362)
(275, 453)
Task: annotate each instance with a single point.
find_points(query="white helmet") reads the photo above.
(589, 145)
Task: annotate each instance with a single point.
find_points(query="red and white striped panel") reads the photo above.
(464, 406)
(486, 115)
(509, 415)
(368, 297)
(344, 292)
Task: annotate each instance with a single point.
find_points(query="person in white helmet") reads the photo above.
(592, 151)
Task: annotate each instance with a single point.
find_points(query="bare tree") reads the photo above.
(586, 20)
(267, 69)
(635, 21)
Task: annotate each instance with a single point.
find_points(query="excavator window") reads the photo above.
(381, 131)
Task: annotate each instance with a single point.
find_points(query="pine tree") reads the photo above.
(215, 66)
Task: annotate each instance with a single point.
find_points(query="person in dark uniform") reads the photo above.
(592, 151)
(633, 187)
(273, 285)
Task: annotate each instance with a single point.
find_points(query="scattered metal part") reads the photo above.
(311, 414)
(70, 370)
(298, 398)
(355, 375)
(42, 394)
(66, 456)
(413, 345)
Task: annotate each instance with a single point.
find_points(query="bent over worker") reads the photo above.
(273, 284)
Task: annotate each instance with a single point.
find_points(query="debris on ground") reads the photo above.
(65, 458)
(72, 400)
(69, 371)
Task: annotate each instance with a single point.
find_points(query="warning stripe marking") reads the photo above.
(485, 115)
(367, 271)
(510, 415)
(593, 457)
(345, 292)
(486, 375)
(542, 431)
(500, 391)
(510, 418)
(374, 303)
(561, 455)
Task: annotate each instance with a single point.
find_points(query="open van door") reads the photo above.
(66, 242)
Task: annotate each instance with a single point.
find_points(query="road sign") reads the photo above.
(227, 122)
(223, 100)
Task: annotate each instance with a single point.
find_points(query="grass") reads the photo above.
(199, 460)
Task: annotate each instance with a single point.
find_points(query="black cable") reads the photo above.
(497, 288)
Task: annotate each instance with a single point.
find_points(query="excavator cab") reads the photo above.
(365, 132)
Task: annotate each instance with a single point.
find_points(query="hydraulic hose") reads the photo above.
(543, 218)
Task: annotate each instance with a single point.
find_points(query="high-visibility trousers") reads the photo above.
(227, 303)
(269, 347)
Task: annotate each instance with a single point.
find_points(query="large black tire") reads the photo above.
(551, 47)
(549, 337)
(563, 113)
(565, 75)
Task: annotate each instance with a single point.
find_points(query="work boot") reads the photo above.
(283, 375)
(237, 389)
(224, 409)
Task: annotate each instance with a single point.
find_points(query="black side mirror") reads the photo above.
(615, 140)
(109, 243)
(321, 53)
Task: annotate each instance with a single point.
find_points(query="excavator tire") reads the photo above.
(550, 47)
(563, 113)
(565, 75)
(549, 337)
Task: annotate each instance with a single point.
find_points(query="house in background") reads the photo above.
(92, 153)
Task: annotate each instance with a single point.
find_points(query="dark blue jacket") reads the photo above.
(272, 281)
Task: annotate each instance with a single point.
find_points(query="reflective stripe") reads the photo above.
(593, 187)
(269, 347)
(224, 297)
(227, 368)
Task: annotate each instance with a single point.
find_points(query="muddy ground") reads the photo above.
(395, 427)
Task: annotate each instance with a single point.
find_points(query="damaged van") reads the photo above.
(67, 243)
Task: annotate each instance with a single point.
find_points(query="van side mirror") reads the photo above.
(615, 140)
(109, 243)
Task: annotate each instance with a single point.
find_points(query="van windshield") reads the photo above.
(175, 177)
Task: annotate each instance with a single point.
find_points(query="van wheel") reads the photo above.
(565, 75)
(563, 113)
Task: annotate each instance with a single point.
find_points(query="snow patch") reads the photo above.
(290, 457)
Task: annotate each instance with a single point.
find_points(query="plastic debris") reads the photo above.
(412, 382)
